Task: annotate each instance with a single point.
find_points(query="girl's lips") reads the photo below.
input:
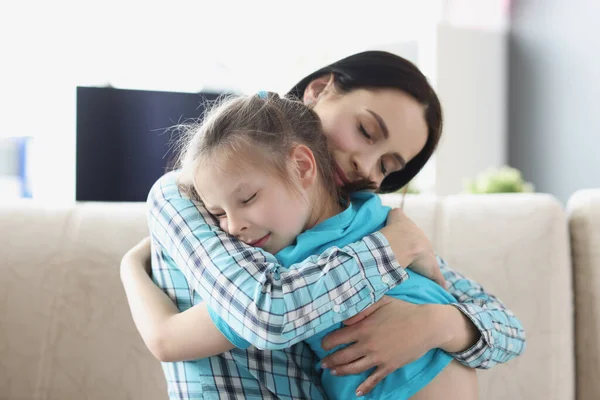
(260, 242)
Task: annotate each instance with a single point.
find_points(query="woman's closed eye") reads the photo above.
(383, 168)
(364, 132)
(367, 136)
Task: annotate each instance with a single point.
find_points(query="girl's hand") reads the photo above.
(411, 246)
(416, 330)
(138, 255)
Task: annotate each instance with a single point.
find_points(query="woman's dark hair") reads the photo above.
(379, 70)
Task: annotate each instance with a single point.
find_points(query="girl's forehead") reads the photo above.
(233, 173)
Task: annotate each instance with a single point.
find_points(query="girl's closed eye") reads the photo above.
(249, 199)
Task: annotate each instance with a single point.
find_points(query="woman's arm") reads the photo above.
(265, 304)
(479, 332)
(168, 334)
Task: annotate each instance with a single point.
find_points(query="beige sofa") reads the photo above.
(66, 332)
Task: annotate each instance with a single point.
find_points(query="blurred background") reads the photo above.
(88, 88)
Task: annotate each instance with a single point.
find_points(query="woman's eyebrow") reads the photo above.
(386, 135)
(381, 123)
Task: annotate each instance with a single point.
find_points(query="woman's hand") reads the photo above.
(411, 246)
(416, 330)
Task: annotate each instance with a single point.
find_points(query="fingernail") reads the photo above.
(333, 372)
(324, 365)
(359, 394)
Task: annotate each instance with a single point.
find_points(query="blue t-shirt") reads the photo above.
(364, 216)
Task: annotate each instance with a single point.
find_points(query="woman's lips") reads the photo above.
(261, 242)
(339, 176)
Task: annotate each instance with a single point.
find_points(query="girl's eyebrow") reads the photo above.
(239, 188)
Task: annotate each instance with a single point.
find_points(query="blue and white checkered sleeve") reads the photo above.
(502, 336)
(266, 304)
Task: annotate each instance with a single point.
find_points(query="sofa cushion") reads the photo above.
(66, 331)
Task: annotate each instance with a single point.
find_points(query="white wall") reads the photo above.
(48, 48)
(554, 94)
(471, 82)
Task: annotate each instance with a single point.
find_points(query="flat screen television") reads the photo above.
(123, 142)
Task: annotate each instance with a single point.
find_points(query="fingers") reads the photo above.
(343, 357)
(356, 367)
(357, 318)
(344, 335)
(394, 216)
(372, 381)
(367, 311)
(439, 279)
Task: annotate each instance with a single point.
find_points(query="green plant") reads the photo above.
(410, 189)
(498, 180)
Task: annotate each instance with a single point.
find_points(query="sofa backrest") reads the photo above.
(584, 225)
(517, 247)
(66, 331)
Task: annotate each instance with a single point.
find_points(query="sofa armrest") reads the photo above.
(584, 224)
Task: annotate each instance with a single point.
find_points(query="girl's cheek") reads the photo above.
(223, 225)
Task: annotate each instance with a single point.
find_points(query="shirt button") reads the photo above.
(336, 308)
(385, 279)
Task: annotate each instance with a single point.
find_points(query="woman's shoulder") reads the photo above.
(166, 187)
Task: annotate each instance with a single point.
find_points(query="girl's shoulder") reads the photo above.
(364, 197)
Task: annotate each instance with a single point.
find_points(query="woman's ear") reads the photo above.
(304, 165)
(316, 88)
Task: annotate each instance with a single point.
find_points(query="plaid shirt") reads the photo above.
(275, 308)
(235, 374)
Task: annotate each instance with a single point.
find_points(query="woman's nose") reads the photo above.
(362, 169)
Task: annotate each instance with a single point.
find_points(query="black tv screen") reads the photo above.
(123, 141)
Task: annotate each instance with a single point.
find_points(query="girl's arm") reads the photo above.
(500, 335)
(265, 304)
(168, 334)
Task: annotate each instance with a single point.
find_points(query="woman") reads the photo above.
(373, 106)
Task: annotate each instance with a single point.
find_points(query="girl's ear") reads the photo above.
(316, 88)
(304, 165)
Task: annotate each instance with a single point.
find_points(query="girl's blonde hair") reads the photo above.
(262, 127)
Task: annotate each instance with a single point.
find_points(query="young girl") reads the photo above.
(262, 168)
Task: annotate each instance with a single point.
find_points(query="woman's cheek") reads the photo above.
(342, 138)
